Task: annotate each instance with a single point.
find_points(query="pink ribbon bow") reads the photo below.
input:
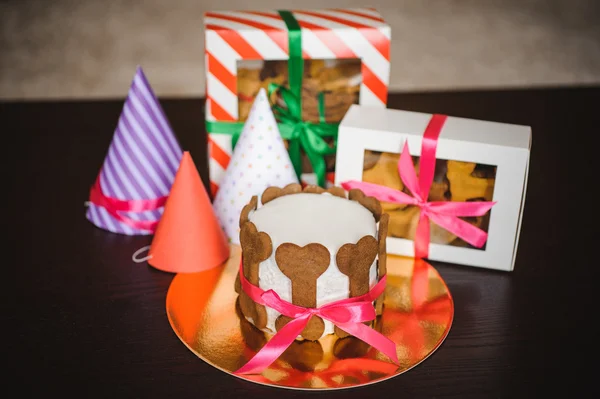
(443, 213)
(347, 314)
(113, 206)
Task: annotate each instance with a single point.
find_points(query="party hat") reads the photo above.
(139, 168)
(259, 160)
(188, 238)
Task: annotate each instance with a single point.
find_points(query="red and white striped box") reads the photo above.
(232, 36)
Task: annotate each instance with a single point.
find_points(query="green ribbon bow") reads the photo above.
(301, 135)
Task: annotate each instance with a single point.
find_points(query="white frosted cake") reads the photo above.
(311, 247)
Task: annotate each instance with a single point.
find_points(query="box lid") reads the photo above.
(317, 19)
(455, 128)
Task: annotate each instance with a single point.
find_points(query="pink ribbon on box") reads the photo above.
(347, 314)
(113, 206)
(443, 213)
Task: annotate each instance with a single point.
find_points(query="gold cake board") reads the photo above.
(418, 311)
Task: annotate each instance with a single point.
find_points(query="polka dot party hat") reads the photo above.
(259, 160)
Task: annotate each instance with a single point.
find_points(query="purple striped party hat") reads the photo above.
(138, 171)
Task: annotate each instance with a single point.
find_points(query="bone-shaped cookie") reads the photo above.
(313, 189)
(247, 209)
(335, 191)
(238, 284)
(256, 247)
(253, 337)
(350, 348)
(303, 355)
(303, 266)
(275, 192)
(382, 240)
(464, 186)
(371, 160)
(355, 260)
(382, 257)
(403, 224)
(371, 203)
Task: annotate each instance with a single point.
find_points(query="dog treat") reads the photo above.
(371, 159)
(314, 189)
(382, 258)
(238, 284)
(371, 203)
(404, 222)
(355, 260)
(337, 191)
(382, 169)
(453, 181)
(324, 247)
(254, 338)
(303, 266)
(256, 247)
(246, 210)
(303, 355)
(350, 347)
(381, 238)
(338, 80)
(464, 186)
(275, 192)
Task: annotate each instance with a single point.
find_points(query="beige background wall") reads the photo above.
(90, 48)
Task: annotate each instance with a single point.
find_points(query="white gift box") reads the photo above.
(501, 147)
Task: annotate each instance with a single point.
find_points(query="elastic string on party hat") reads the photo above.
(137, 253)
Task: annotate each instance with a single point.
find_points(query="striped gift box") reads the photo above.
(263, 35)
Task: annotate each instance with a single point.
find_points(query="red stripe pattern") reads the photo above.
(254, 35)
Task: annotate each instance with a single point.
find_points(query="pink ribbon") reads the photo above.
(443, 213)
(347, 314)
(113, 206)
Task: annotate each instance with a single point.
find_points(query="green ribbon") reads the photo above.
(301, 135)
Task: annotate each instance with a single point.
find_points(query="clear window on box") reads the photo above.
(453, 181)
(338, 79)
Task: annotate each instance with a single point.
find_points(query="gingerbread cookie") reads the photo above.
(350, 348)
(303, 266)
(256, 247)
(254, 338)
(303, 355)
(404, 222)
(371, 203)
(464, 186)
(382, 257)
(247, 209)
(355, 260)
(275, 192)
(314, 189)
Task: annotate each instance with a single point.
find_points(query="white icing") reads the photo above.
(306, 218)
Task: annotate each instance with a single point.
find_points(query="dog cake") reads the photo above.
(312, 247)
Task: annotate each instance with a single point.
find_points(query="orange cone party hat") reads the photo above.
(188, 238)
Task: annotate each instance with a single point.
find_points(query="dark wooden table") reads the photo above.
(80, 319)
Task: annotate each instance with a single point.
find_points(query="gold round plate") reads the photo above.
(417, 315)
